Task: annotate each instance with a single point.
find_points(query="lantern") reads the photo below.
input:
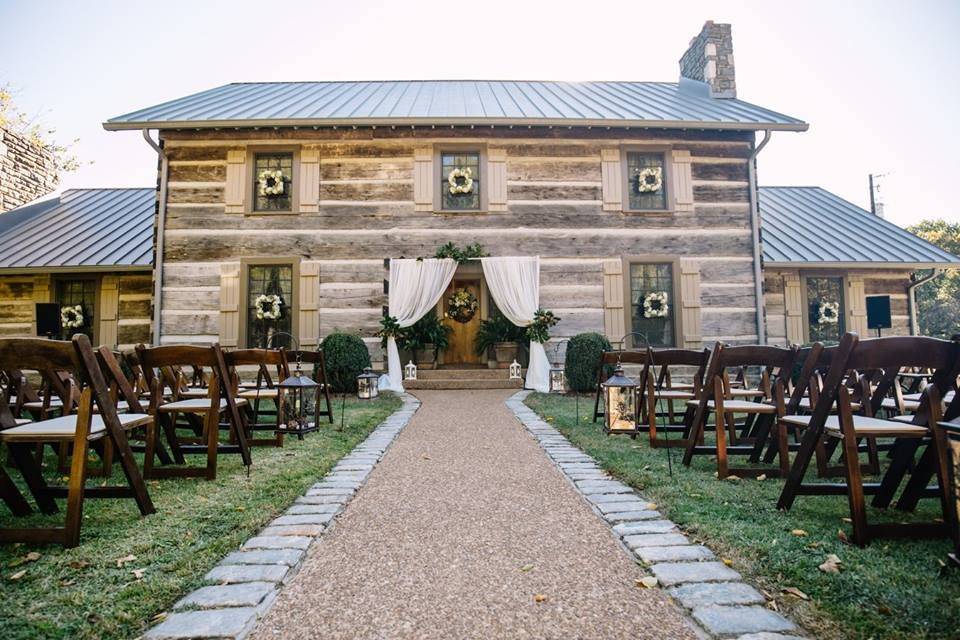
(367, 385)
(298, 403)
(515, 370)
(410, 371)
(620, 398)
(951, 441)
(558, 377)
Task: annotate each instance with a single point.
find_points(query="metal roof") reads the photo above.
(811, 226)
(456, 102)
(96, 229)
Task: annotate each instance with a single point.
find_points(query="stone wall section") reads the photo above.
(27, 170)
(709, 59)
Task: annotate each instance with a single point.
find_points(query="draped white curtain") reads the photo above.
(514, 284)
(415, 289)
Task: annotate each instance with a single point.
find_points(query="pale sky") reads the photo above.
(877, 81)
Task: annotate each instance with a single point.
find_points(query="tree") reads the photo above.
(938, 301)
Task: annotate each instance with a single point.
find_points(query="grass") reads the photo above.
(83, 593)
(890, 589)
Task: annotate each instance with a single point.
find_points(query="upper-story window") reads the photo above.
(646, 186)
(273, 181)
(460, 181)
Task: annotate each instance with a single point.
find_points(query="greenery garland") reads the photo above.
(469, 252)
(539, 329)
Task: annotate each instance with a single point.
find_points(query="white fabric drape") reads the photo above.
(514, 284)
(415, 289)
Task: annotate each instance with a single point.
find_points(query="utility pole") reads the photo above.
(873, 200)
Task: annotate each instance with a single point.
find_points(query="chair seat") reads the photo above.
(907, 418)
(64, 427)
(194, 405)
(805, 405)
(55, 403)
(674, 394)
(195, 392)
(746, 393)
(122, 407)
(681, 386)
(253, 394)
(21, 421)
(908, 405)
(738, 406)
(863, 426)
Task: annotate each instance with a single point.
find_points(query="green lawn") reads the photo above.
(82, 593)
(891, 589)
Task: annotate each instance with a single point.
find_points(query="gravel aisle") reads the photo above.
(463, 524)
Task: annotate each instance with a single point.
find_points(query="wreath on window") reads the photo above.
(655, 305)
(460, 181)
(649, 180)
(271, 183)
(269, 307)
(462, 305)
(829, 313)
(71, 317)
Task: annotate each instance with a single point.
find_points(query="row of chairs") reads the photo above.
(82, 399)
(783, 410)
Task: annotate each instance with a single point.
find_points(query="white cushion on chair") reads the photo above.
(863, 425)
(195, 405)
(674, 394)
(908, 405)
(55, 403)
(738, 406)
(64, 427)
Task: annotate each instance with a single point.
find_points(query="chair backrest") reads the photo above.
(261, 358)
(117, 379)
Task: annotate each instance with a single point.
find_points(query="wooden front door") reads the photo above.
(462, 349)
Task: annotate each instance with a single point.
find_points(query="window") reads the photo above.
(646, 187)
(263, 329)
(825, 309)
(82, 293)
(273, 182)
(460, 181)
(652, 304)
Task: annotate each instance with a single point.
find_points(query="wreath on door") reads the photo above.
(462, 305)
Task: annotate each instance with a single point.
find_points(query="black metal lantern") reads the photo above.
(620, 402)
(951, 440)
(558, 377)
(297, 402)
(367, 385)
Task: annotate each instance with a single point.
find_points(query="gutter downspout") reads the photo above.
(161, 224)
(912, 300)
(755, 227)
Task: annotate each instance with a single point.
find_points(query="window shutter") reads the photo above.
(309, 180)
(682, 180)
(611, 178)
(856, 305)
(614, 318)
(793, 307)
(497, 179)
(229, 304)
(309, 299)
(236, 180)
(109, 304)
(423, 179)
(689, 304)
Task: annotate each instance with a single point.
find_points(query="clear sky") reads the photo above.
(877, 81)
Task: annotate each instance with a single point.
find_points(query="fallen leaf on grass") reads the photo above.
(124, 560)
(79, 564)
(799, 533)
(651, 505)
(772, 605)
(138, 573)
(727, 561)
(18, 574)
(539, 598)
(884, 610)
(647, 582)
(426, 457)
(831, 564)
(732, 478)
(842, 536)
(526, 567)
(160, 616)
(67, 583)
(762, 477)
(33, 556)
(796, 593)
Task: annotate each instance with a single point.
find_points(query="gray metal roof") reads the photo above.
(811, 226)
(94, 229)
(456, 102)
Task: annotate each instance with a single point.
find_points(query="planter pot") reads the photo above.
(506, 352)
(425, 358)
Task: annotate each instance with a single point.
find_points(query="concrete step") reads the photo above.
(461, 384)
(463, 374)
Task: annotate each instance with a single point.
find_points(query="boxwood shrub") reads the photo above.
(583, 360)
(346, 357)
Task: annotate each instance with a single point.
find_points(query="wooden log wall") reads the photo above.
(367, 213)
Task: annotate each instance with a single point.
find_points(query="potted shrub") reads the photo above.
(426, 338)
(346, 357)
(501, 335)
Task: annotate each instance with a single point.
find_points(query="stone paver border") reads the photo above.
(245, 584)
(714, 595)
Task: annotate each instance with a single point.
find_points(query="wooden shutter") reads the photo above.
(856, 305)
(611, 179)
(309, 303)
(497, 179)
(793, 307)
(614, 318)
(109, 306)
(230, 304)
(236, 187)
(689, 304)
(423, 179)
(682, 180)
(310, 180)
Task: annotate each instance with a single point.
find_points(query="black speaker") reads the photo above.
(48, 319)
(878, 312)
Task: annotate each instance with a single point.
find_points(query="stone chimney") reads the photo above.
(709, 60)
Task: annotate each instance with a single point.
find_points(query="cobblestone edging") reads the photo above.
(245, 583)
(715, 595)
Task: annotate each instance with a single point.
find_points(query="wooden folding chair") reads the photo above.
(220, 401)
(77, 357)
(662, 393)
(319, 374)
(264, 392)
(886, 354)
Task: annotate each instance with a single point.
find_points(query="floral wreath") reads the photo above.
(460, 181)
(655, 305)
(71, 317)
(650, 180)
(829, 313)
(271, 182)
(462, 305)
(268, 307)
